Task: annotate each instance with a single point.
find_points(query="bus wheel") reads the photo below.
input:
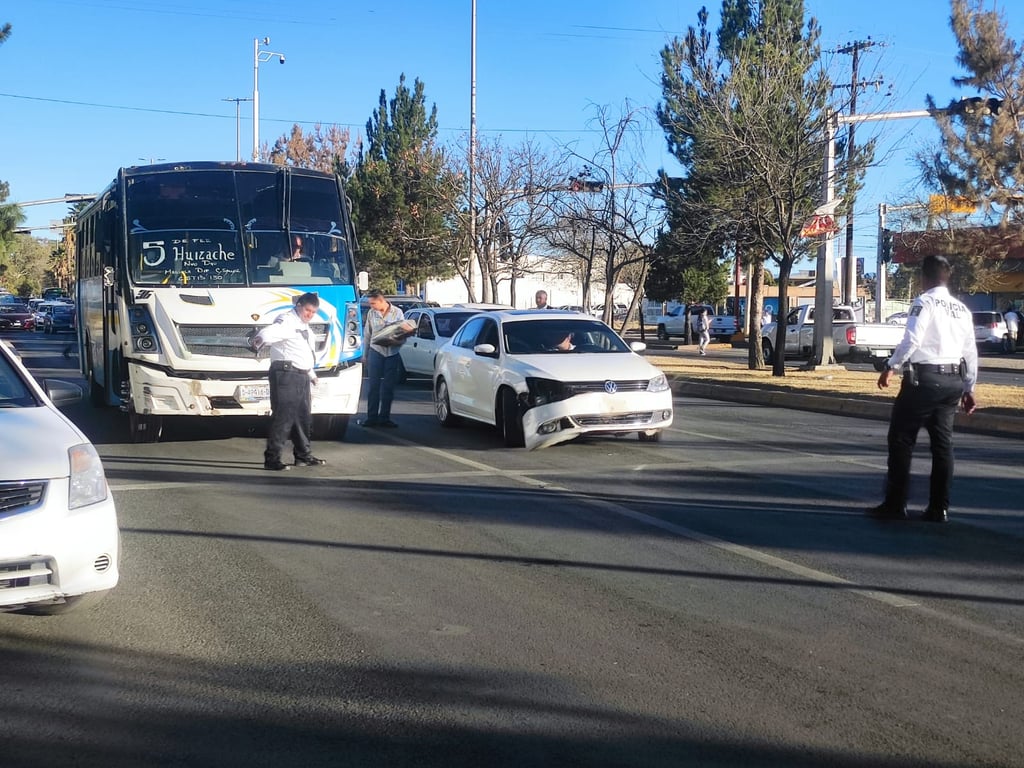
(96, 394)
(144, 427)
(330, 426)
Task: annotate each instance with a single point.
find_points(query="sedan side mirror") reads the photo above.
(637, 346)
(485, 350)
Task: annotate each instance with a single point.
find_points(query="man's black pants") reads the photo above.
(931, 404)
(290, 403)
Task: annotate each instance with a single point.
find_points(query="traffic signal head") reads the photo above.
(886, 245)
(975, 106)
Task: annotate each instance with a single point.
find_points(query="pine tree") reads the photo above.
(745, 119)
(981, 153)
(402, 192)
(10, 214)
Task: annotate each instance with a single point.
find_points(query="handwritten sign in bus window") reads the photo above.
(212, 259)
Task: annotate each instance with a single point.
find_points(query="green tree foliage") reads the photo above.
(745, 118)
(402, 192)
(10, 214)
(980, 155)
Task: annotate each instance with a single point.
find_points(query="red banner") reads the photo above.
(819, 225)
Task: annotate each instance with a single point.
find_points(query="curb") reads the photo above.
(980, 423)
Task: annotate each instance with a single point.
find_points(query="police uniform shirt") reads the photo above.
(376, 321)
(939, 331)
(290, 340)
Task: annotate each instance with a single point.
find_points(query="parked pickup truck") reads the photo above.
(723, 327)
(853, 342)
(674, 323)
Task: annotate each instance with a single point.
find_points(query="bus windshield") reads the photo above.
(235, 227)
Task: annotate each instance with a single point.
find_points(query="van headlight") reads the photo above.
(658, 384)
(88, 484)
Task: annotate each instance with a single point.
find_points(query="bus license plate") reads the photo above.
(253, 393)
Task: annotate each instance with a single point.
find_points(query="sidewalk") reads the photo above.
(776, 396)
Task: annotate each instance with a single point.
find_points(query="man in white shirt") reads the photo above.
(939, 349)
(292, 359)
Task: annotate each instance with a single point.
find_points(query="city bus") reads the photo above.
(179, 265)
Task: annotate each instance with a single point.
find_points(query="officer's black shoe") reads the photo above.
(935, 515)
(275, 466)
(309, 461)
(389, 424)
(884, 512)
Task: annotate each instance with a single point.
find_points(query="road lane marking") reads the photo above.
(747, 553)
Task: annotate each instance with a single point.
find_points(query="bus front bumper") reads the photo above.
(154, 392)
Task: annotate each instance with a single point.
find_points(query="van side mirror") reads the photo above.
(363, 281)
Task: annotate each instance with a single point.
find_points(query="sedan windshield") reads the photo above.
(541, 337)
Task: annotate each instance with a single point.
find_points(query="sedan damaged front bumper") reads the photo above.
(596, 413)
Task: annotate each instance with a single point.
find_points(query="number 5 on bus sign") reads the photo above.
(153, 253)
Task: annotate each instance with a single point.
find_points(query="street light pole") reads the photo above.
(238, 124)
(824, 351)
(257, 57)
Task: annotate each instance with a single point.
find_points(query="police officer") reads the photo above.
(939, 361)
(291, 344)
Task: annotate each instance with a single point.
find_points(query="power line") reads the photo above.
(357, 126)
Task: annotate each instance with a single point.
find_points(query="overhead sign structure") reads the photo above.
(939, 205)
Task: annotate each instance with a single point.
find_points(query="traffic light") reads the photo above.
(886, 245)
(975, 106)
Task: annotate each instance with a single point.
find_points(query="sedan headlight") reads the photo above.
(88, 483)
(544, 391)
(658, 384)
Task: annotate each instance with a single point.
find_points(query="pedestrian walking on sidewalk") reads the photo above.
(939, 363)
(703, 332)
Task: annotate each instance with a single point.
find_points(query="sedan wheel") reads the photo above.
(511, 420)
(649, 438)
(443, 405)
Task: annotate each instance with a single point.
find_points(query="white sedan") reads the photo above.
(545, 377)
(59, 540)
(434, 326)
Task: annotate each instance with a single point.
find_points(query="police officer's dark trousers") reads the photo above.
(930, 403)
(290, 403)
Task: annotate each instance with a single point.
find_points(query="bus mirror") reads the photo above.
(363, 281)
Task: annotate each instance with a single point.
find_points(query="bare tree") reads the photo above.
(510, 204)
(607, 217)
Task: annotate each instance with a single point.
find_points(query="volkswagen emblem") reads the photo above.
(611, 387)
(254, 317)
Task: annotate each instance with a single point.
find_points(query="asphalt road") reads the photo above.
(430, 598)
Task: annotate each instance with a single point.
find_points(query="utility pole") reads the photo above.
(238, 124)
(849, 280)
(824, 354)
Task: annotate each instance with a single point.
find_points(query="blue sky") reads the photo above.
(87, 86)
